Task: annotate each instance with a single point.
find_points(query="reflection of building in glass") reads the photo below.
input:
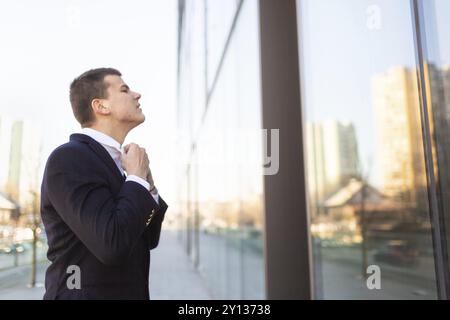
(439, 88)
(9, 212)
(391, 220)
(446, 85)
(399, 149)
(333, 161)
(359, 205)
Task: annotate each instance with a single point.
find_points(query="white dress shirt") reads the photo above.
(115, 150)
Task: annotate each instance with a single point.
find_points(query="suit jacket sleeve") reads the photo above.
(108, 226)
(153, 230)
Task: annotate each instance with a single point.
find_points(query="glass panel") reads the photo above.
(192, 73)
(437, 15)
(367, 186)
(220, 15)
(229, 151)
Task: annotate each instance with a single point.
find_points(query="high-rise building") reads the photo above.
(332, 158)
(24, 163)
(5, 146)
(397, 112)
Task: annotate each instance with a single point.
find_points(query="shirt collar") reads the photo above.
(102, 138)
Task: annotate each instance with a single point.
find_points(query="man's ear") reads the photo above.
(99, 107)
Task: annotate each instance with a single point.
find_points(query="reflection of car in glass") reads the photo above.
(398, 253)
(13, 248)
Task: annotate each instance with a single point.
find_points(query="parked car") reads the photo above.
(12, 248)
(398, 253)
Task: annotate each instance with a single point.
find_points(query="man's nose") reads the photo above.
(137, 95)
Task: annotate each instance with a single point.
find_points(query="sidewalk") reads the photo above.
(14, 283)
(172, 276)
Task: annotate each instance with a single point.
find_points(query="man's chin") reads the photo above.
(139, 121)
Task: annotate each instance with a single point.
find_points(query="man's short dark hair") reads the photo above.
(87, 87)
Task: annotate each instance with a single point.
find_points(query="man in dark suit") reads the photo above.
(100, 222)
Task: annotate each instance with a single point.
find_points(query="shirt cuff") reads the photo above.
(139, 180)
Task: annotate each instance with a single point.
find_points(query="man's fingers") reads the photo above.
(128, 146)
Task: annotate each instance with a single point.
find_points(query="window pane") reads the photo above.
(367, 185)
(226, 164)
(219, 16)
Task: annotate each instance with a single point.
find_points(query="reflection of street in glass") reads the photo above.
(398, 253)
(366, 169)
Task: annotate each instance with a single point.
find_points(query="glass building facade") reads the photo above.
(220, 121)
(350, 101)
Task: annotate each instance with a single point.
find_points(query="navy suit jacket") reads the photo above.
(96, 221)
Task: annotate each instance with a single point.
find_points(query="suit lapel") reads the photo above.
(100, 151)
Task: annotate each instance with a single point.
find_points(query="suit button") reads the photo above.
(150, 218)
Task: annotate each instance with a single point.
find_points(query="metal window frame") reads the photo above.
(436, 209)
(286, 237)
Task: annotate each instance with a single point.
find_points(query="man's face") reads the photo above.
(123, 103)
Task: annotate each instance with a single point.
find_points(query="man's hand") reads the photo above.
(135, 161)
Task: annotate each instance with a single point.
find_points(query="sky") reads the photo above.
(45, 44)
